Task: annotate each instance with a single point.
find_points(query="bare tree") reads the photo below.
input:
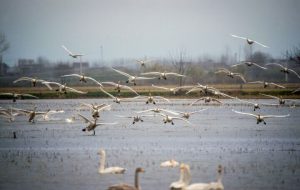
(181, 66)
(4, 45)
(294, 54)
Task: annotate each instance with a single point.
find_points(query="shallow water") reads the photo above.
(57, 155)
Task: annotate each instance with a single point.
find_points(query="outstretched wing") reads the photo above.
(129, 88)
(180, 118)
(160, 97)
(74, 90)
(235, 36)
(269, 116)
(197, 101)
(143, 78)
(277, 85)
(241, 77)
(175, 74)
(276, 64)
(274, 97)
(122, 73)
(151, 73)
(256, 82)
(107, 93)
(94, 80)
(110, 83)
(29, 95)
(72, 75)
(97, 124)
(261, 44)
(237, 64)
(244, 113)
(294, 72)
(23, 78)
(66, 49)
(160, 87)
(86, 120)
(222, 70)
(259, 66)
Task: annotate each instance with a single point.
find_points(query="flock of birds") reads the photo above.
(211, 94)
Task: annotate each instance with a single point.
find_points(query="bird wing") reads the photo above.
(107, 107)
(197, 111)
(145, 111)
(244, 113)
(55, 83)
(170, 111)
(87, 105)
(269, 116)
(235, 36)
(160, 97)
(261, 44)
(143, 78)
(175, 74)
(277, 64)
(107, 93)
(259, 66)
(294, 73)
(71, 75)
(196, 101)
(160, 87)
(129, 88)
(6, 94)
(21, 110)
(66, 49)
(241, 76)
(274, 97)
(86, 120)
(23, 78)
(297, 90)
(94, 80)
(122, 73)
(115, 123)
(180, 118)
(29, 95)
(110, 83)
(256, 82)
(222, 70)
(216, 100)
(237, 64)
(277, 85)
(151, 73)
(122, 116)
(196, 88)
(226, 95)
(74, 90)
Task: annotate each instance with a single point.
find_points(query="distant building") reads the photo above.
(3, 69)
(76, 66)
(27, 66)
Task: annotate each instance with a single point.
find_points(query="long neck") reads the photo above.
(187, 176)
(136, 180)
(102, 161)
(219, 178)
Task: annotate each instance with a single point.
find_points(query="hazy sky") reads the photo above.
(138, 28)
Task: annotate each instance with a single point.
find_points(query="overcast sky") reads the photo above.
(138, 28)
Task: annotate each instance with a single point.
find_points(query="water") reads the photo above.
(57, 155)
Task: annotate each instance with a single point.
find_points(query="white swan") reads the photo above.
(131, 79)
(187, 115)
(202, 88)
(158, 110)
(72, 54)
(93, 124)
(118, 87)
(96, 108)
(7, 114)
(46, 116)
(284, 69)
(163, 75)
(32, 80)
(83, 78)
(63, 88)
(169, 119)
(254, 104)
(15, 96)
(30, 113)
(125, 186)
(249, 41)
(260, 118)
(172, 90)
(266, 84)
(169, 164)
(231, 74)
(281, 101)
(143, 62)
(151, 99)
(184, 179)
(206, 99)
(249, 64)
(136, 118)
(110, 170)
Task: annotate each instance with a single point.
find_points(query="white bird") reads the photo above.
(169, 119)
(83, 78)
(131, 79)
(30, 113)
(116, 99)
(254, 104)
(184, 179)
(206, 99)
(72, 54)
(231, 74)
(162, 75)
(136, 118)
(16, 95)
(118, 87)
(110, 170)
(297, 90)
(172, 90)
(249, 64)
(71, 119)
(249, 41)
(96, 108)
(284, 69)
(32, 80)
(151, 99)
(93, 124)
(46, 116)
(203, 88)
(7, 114)
(218, 185)
(63, 88)
(266, 84)
(187, 115)
(124, 186)
(261, 118)
(281, 101)
(158, 110)
(169, 163)
(143, 62)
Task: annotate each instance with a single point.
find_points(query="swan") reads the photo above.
(255, 105)
(218, 185)
(72, 54)
(30, 113)
(163, 75)
(207, 99)
(110, 170)
(261, 118)
(83, 78)
(249, 64)
(231, 74)
(96, 108)
(266, 84)
(118, 86)
(249, 41)
(131, 79)
(169, 163)
(71, 119)
(281, 101)
(169, 119)
(184, 179)
(151, 99)
(32, 80)
(158, 110)
(203, 88)
(63, 88)
(8, 114)
(172, 90)
(143, 62)
(187, 115)
(15, 96)
(50, 112)
(93, 124)
(129, 187)
(136, 118)
(116, 99)
(284, 69)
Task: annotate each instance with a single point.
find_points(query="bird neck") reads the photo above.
(102, 161)
(185, 176)
(136, 180)
(219, 178)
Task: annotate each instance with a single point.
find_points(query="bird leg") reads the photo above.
(265, 123)
(172, 123)
(94, 132)
(154, 102)
(142, 120)
(147, 102)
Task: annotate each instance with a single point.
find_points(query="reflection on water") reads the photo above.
(54, 154)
